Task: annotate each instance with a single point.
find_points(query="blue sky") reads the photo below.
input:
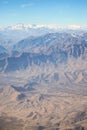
(61, 12)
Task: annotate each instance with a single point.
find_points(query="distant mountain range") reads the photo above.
(43, 26)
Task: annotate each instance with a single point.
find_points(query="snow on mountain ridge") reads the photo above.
(27, 26)
(40, 26)
(74, 27)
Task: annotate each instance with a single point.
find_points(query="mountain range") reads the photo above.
(12, 34)
(43, 78)
(51, 48)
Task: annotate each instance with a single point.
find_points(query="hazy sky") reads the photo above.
(61, 12)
